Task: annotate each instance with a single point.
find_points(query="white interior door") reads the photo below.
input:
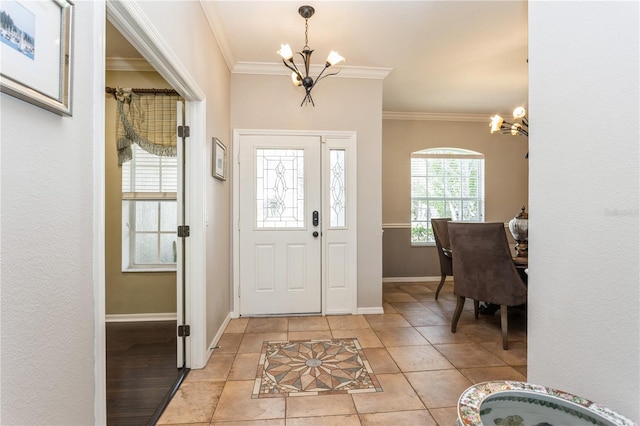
(280, 225)
(181, 254)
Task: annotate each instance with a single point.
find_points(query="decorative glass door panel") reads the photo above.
(280, 188)
(337, 188)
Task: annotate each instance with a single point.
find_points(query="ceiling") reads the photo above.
(447, 57)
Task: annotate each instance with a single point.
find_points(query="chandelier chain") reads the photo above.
(306, 34)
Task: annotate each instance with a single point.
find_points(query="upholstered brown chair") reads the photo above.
(484, 270)
(441, 235)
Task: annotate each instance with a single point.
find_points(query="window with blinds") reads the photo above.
(445, 182)
(149, 211)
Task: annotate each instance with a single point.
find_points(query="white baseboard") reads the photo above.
(410, 279)
(170, 316)
(217, 337)
(371, 311)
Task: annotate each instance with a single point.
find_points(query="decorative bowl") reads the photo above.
(510, 403)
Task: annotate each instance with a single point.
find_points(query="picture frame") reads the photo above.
(37, 52)
(219, 163)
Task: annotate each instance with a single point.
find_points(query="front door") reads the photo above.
(280, 224)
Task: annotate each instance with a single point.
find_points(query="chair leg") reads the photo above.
(440, 285)
(476, 308)
(456, 314)
(503, 325)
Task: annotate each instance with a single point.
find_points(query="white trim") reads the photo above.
(411, 279)
(168, 316)
(196, 198)
(218, 336)
(408, 225)
(396, 225)
(371, 311)
(127, 17)
(432, 116)
(270, 68)
(99, 268)
(128, 64)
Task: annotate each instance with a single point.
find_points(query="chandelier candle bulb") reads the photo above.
(286, 52)
(334, 58)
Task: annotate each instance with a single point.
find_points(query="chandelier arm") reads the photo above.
(293, 68)
(306, 59)
(508, 131)
(320, 76)
(519, 130)
(307, 98)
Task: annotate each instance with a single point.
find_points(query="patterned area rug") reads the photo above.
(316, 367)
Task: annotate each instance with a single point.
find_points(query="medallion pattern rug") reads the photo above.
(313, 367)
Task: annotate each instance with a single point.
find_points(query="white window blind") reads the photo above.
(149, 174)
(445, 182)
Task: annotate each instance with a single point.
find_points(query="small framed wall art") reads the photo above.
(219, 162)
(37, 52)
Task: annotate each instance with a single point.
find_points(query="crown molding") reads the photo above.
(212, 14)
(270, 68)
(433, 116)
(127, 64)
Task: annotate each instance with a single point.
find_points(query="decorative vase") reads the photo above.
(519, 227)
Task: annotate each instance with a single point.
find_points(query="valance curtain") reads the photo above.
(149, 121)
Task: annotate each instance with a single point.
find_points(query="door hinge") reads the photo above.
(183, 131)
(183, 231)
(184, 330)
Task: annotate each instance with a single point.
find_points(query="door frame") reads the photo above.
(131, 22)
(335, 299)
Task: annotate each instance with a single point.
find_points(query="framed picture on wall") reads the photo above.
(219, 160)
(37, 52)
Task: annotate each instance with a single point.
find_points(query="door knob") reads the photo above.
(315, 234)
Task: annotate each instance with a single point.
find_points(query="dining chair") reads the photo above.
(484, 270)
(441, 235)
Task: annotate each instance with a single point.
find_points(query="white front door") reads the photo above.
(280, 224)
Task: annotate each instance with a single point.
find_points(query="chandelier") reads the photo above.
(516, 128)
(297, 77)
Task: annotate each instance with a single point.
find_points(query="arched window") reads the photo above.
(445, 182)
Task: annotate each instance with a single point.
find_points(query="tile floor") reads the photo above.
(421, 366)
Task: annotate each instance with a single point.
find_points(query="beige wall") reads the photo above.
(506, 183)
(184, 28)
(271, 102)
(128, 292)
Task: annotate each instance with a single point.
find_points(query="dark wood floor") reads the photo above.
(141, 369)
